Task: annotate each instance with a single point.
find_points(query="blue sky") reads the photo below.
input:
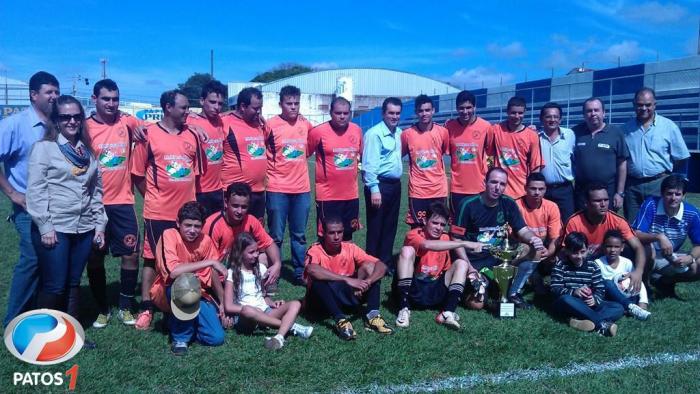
(153, 45)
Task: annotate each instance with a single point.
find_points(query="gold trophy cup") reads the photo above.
(503, 274)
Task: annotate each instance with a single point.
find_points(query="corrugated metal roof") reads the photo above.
(366, 82)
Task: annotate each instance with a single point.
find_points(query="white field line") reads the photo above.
(471, 381)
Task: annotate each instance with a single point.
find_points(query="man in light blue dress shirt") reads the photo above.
(381, 171)
(557, 146)
(18, 133)
(655, 144)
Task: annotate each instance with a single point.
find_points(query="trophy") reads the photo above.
(503, 274)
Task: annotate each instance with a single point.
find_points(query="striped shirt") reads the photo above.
(652, 218)
(566, 278)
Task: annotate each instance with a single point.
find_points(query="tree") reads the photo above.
(284, 70)
(192, 88)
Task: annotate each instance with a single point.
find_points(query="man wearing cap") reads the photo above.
(187, 284)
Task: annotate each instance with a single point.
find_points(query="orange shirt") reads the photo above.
(595, 233)
(337, 156)
(172, 251)
(426, 176)
(287, 171)
(429, 262)
(518, 154)
(344, 263)
(223, 234)
(111, 145)
(170, 163)
(213, 152)
(244, 154)
(544, 221)
(468, 151)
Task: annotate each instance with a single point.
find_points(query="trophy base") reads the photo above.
(506, 310)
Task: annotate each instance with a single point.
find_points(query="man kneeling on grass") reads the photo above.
(340, 274)
(186, 280)
(427, 276)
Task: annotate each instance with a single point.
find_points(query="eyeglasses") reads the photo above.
(68, 117)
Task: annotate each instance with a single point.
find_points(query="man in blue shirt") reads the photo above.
(557, 146)
(381, 172)
(18, 133)
(655, 144)
(664, 223)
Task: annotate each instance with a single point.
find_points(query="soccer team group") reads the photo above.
(210, 179)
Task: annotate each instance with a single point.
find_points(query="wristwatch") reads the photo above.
(622, 194)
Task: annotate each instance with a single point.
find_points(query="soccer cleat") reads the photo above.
(179, 348)
(301, 331)
(607, 329)
(102, 320)
(449, 319)
(638, 312)
(378, 325)
(344, 329)
(519, 302)
(274, 343)
(403, 320)
(143, 321)
(583, 325)
(125, 316)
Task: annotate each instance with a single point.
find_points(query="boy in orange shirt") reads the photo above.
(425, 142)
(186, 251)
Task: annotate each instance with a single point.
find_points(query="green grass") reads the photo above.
(131, 361)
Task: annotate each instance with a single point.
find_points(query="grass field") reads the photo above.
(533, 353)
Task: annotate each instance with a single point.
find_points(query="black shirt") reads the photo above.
(596, 158)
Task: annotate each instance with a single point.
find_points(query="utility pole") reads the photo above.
(104, 67)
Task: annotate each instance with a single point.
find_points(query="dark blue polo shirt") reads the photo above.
(596, 158)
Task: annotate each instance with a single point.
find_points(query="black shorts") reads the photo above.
(418, 209)
(427, 292)
(152, 231)
(211, 201)
(256, 206)
(484, 262)
(122, 232)
(343, 294)
(347, 210)
(456, 200)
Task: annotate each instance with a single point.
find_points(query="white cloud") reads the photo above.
(626, 51)
(514, 49)
(391, 25)
(653, 12)
(324, 65)
(478, 77)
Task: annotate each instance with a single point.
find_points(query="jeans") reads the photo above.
(295, 208)
(614, 294)
(25, 277)
(571, 306)
(525, 269)
(61, 266)
(206, 327)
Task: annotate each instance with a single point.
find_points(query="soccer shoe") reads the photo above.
(583, 325)
(344, 329)
(273, 343)
(125, 316)
(638, 312)
(607, 329)
(519, 302)
(378, 325)
(179, 348)
(102, 320)
(301, 331)
(449, 319)
(143, 321)
(403, 320)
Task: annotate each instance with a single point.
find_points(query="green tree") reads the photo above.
(192, 88)
(284, 70)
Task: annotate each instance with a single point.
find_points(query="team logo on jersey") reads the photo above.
(291, 152)
(130, 240)
(214, 153)
(255, 149)
(508, 158)
(342, 160)
(44, 337)
(176, 170)
(424, 162)
(476, 134)
(110, 160)
(466, 153)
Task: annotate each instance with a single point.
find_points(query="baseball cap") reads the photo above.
(185, 294)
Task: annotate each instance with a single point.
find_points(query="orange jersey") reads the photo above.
(111, 145)
(518, 154)
(213, 152)
(172, 251)
(170, 163)
(428, 262)
(595, 233)
(222, 233)
(344, 263)
(469, 146)
(426, 176)
(544, 221)
(244, 154)
(287, 171)
(337, 156)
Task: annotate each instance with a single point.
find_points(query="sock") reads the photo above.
(97, 277)
(455, 293)
(404, 286)
(372, 314)
(147, 305)
(280, 338)
(127, 287)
